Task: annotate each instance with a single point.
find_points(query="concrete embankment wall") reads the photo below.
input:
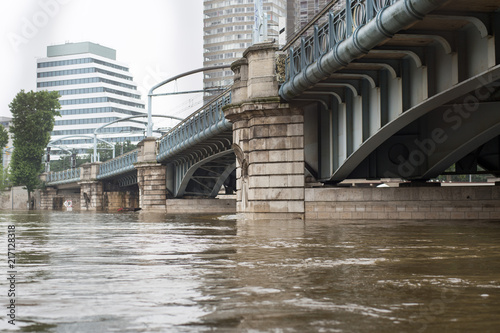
(15, 198)
(204, 206)
(443, 203)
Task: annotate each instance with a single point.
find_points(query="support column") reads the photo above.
(151, 177)
(47, 198)
(268, 140)
(91, 192)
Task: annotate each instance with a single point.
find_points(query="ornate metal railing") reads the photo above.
(202, 124)
(338, 27)
(62, 177)
(118, 165)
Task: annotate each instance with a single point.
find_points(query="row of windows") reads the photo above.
(227, 47)
(100, 100)
(85, 121)
(229, 55)
(80, 61)
(229, 11)
(227, 38)
(99, 110)
(91, 130)
(215, 84)
(227, 3)
(230, 20)
(213, 75)
(83, 71)
(228, 29)
(83, 81)
(96, 90)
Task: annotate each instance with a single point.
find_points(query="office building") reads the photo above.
(95, 89)
(228, 26)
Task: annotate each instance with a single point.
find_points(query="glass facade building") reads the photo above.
(95, 89)
(227, 29)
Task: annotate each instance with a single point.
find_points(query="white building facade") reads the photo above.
(95, 89)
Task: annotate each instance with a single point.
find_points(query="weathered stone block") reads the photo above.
(278, 130)
(258, 156)
(295, 129)
(258, 181)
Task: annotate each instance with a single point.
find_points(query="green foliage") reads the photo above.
(125, 147)
(4, 139)
(33, 119)
(4, 178)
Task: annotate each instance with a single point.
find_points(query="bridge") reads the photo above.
(403, 89)
(196, 155)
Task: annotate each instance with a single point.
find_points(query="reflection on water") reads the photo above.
(138, 272)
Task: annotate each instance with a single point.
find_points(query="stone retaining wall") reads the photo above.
(443, 203)
(53, 199)
(115, 200)
(201, 206)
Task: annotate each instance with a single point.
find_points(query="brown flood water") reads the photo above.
(139, 272)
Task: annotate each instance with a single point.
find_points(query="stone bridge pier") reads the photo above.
(268, 140)
(91, 189)
(151, 177)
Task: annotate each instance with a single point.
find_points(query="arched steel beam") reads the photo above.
(411, 54)
(411, 115)
(313, 100)
(481, 126)
(434, 37)
(339, 85)
(187, 176)
(477, 22)
(351, 76)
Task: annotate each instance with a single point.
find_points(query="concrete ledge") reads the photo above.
(196, 206)
(444, 203)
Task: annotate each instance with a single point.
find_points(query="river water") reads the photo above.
(139, 272)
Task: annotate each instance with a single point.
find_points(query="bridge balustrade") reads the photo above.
(204, 123)
(119, 165)
(63, 177)
(327, 36)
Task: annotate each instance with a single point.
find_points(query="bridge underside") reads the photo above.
(464, 131)
(122, 181)
(203, 169)
(423, 100)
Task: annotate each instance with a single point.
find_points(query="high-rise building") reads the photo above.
(95, 89)
(301, 12)
(228, 26)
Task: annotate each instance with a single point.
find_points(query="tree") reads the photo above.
(4, 139)
(125, 147)
(33, 116)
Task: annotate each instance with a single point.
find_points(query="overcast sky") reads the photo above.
(157, 39)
